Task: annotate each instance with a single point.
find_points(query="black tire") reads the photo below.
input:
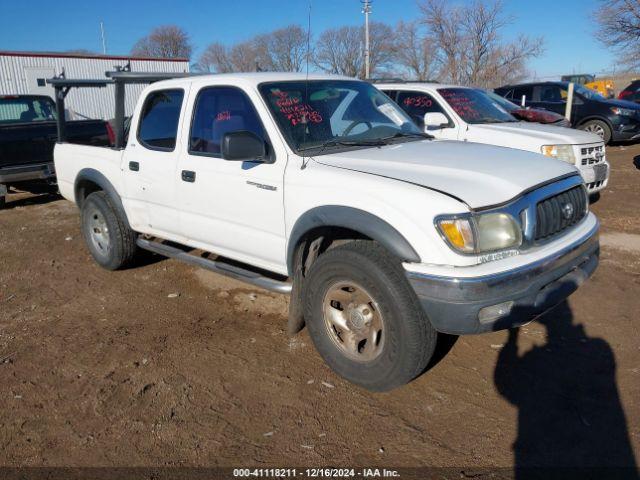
(111, 243)
(3, 201)
(598, 127)
(407, 340)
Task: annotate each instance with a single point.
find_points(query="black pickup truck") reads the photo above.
(27, 136)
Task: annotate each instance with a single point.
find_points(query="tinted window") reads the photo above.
(518, 92)
(549, 94)
(221, 110)
(159, 120)
(392, 94)
(475, 106)
(416, 104)
(26, 109)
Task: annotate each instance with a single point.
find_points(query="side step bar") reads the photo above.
(238, 273)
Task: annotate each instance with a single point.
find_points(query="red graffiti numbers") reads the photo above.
(295, 111)
(421, 101)
(223, 116)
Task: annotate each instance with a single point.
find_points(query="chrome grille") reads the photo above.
(592, 155)
(559, 212)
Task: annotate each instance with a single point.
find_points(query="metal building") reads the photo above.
(26, 73)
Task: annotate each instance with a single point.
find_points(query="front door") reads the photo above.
(150, 164)
(417, 104)
(231, 208)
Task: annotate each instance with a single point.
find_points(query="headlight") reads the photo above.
(561, 152)
(489, 232)
(627, 112)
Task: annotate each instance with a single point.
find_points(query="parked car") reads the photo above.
(535, 115)
(611, 119)
(451, 112)
(631, 93)
(323, 188)
(27, 136)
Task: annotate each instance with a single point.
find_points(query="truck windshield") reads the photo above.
(25, 109)
(321, 114)
(475, 106)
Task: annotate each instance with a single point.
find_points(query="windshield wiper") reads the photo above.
(407, 135)
(345, 143)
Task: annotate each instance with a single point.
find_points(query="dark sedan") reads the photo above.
(616, 120)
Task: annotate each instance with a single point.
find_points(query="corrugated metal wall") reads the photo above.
(88, 102)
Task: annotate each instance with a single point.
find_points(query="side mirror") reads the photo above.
(243, 146)
(435, 120)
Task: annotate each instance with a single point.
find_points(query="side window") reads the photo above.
(519, 92)
(221, 110)
(392, 94)
(159, 120)
(550, 94)
(416, 104)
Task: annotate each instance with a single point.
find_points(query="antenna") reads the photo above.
(306, 80)
(104, 40)
(366, 9)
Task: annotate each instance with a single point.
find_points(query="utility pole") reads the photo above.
(366, 9)
(104, 41)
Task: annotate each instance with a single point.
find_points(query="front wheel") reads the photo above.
(598, 127)
(364, 318)
(111, 242)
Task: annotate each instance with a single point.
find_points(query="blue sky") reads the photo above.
(566, 25)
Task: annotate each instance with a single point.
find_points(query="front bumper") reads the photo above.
(454, 304)
(25, 173)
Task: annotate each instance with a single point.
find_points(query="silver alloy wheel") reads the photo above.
(595, 128)
(353, 321)
(99, 232)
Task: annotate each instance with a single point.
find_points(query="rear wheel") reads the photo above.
(111, 243)
(598, 127)
(364, 318)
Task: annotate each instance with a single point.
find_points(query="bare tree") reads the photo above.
(283, 50)
(341, 50)
(167, 41)
(414, 52)
(468, 44)
(619, 27)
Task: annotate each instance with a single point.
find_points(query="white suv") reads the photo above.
(460, 113)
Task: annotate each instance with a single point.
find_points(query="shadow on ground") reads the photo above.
(570, 418)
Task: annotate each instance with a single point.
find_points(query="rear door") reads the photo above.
(150, 163)
(231, 208)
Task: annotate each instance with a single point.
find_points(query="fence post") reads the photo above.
(567, 112)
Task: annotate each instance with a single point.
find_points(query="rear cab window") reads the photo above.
(26, 109)
(158, 128)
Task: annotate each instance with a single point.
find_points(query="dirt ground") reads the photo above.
(168, 365)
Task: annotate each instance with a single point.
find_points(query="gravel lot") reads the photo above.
(167, 365)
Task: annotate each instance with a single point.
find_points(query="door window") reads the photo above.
(549, 94)
(518, 92)
(218, 111)
(159, 120)
(416, 104)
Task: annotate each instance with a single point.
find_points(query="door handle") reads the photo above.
(134, 166)
(188, 176)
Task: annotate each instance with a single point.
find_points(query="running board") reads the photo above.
(237, 273)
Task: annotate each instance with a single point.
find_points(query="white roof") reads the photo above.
(415, 85)
(254, 78)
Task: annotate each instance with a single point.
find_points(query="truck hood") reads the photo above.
(479, 175)
(528, 136)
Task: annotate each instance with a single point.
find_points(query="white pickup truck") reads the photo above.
(323, 188)
(452, 112)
